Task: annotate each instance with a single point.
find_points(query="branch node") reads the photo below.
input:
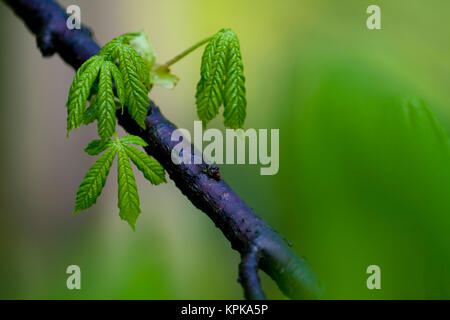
(248, 274)
(45, 42)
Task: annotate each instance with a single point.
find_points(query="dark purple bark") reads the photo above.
(259, 245)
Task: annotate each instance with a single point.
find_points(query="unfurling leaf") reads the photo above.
(136, 93)
(234, 100)
(222, 81)
(139, 41)
(131, 79)
(80, 90)
(161, 76)
(212, 78)
(110, 51)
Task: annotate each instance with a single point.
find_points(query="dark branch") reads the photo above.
(259, 245)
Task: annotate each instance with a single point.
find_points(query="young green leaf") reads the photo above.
(152, 169)
(136, 93)
(212, 77)
(80, 91)
(110, 50)
(161, 76)
(234, 100)
(94, 181)
(106, 113)
(128, 195)
(77, 77)
(142, 68)
(130, 139)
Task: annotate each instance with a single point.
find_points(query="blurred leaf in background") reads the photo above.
(371, 183)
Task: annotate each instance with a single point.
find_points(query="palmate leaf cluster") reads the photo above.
(94, 79)
(95, 178)
(123, 69)
(222, 81)
(121, 75)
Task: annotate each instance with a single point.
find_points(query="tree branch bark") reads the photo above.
(259, 245)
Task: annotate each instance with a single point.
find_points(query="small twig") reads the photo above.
(186, 52)
(248, 275)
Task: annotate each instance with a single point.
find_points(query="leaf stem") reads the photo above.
(187, 51)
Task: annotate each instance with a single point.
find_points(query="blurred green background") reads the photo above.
(364, 162)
